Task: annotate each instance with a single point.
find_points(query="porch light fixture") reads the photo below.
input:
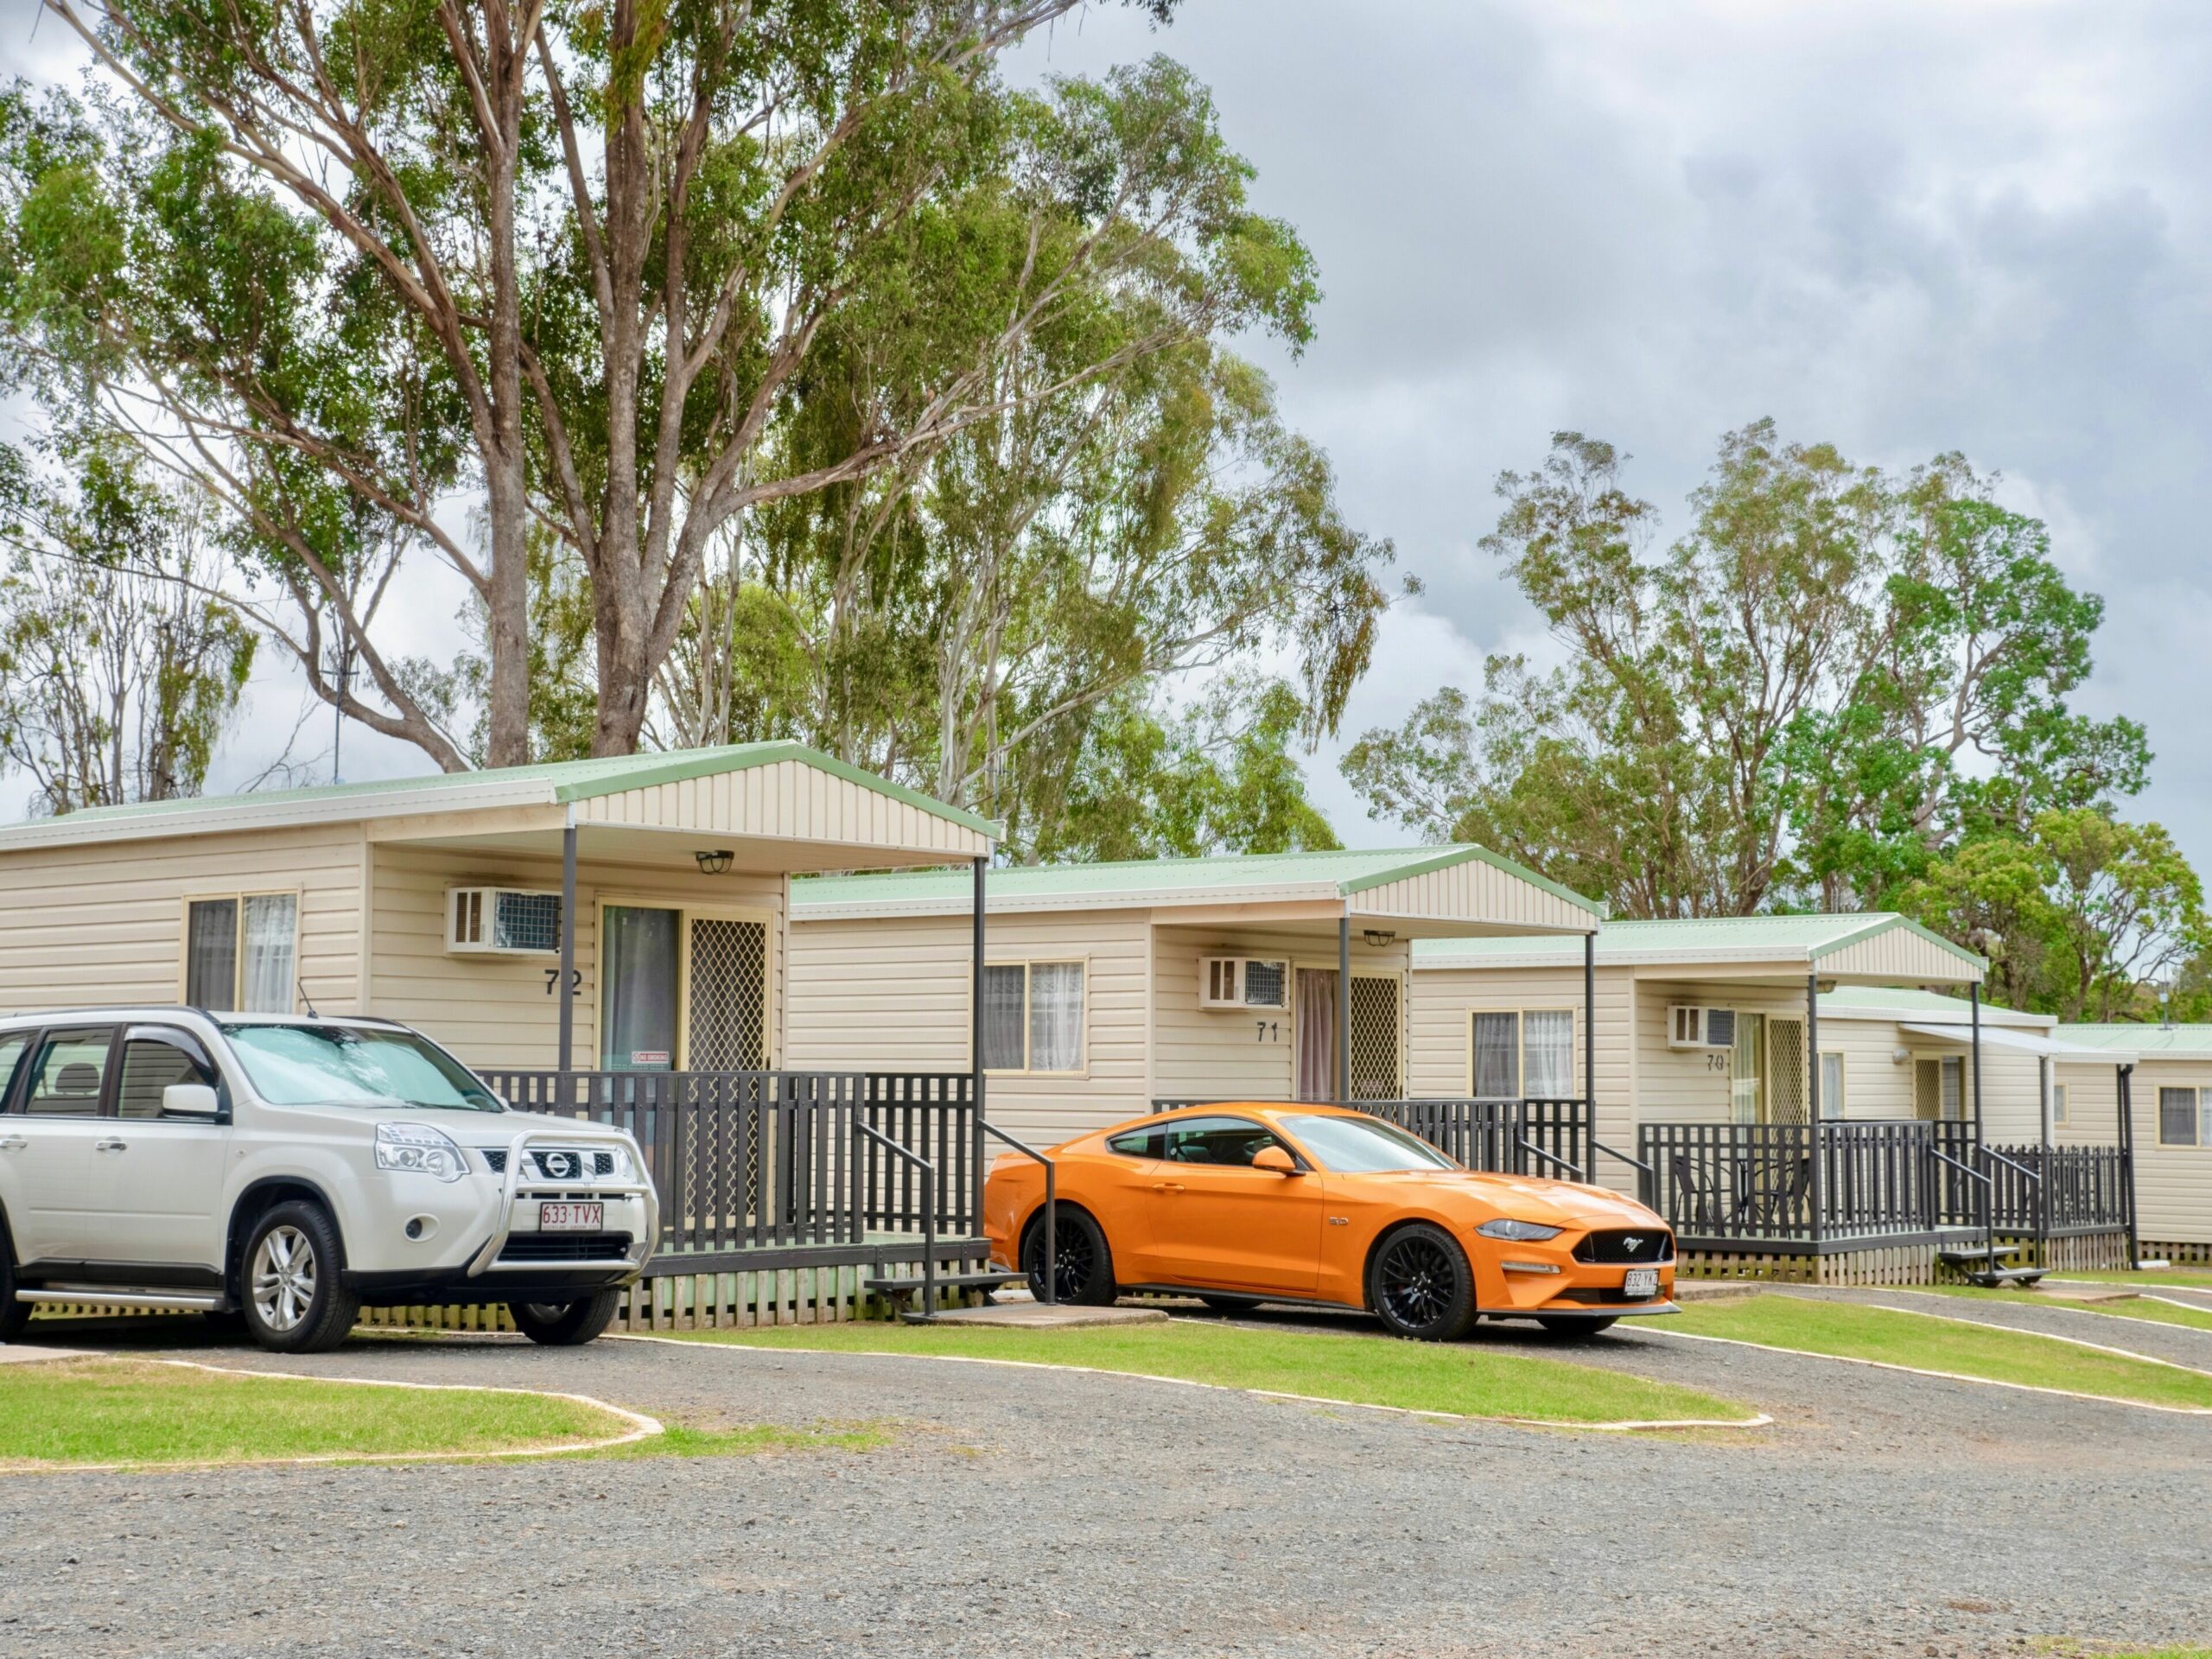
(716, 862)
(1377, 938)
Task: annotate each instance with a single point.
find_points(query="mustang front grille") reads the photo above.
(1634, 1246)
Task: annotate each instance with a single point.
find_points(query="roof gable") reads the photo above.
(1856, 942)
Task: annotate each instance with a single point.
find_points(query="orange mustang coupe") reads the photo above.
(1245, 1203)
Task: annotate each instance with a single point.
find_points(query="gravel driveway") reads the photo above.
(1034, 1512)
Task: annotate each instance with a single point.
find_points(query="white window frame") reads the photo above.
(2202, 1143)
(2061, 1104)
(1574, 1080)
(1028, 963)
(238, 943)
(1842, 1084)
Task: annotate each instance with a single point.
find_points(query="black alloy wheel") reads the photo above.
(1083, 1266)
(1421, 1287)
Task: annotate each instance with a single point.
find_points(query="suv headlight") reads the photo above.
(1520, 1232)
(419, 1150)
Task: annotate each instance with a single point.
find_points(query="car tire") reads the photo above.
(1085, 1275)
(566, 1325)
(14, 1315)
(291, 1293)
(1420, 1285)
(1570, 1325)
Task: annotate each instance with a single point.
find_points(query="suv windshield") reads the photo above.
(1354, 1146)
(342, 1065)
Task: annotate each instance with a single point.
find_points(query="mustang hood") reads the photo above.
(1527, 1197)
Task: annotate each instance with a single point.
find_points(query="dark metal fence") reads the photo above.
(759, 1161)
(1734, 1185)
(1513, 1137)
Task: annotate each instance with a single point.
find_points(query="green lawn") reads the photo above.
(1849, 1330)
(2154, 1313)
(2151, 1279)
(749, 1440)
(80, 1411)
(1464, 1379)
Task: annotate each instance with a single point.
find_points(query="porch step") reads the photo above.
(911, 1284)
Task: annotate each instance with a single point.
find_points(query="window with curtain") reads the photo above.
(1548, 1054)
(1954, 1093)
(1033, 1016)
(2058, 1103)
(2180, 1123)
(241, 953)
(1831, 1085)
(1497, 1056)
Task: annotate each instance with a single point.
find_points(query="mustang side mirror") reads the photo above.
(1275, 1158)
(190, 1100)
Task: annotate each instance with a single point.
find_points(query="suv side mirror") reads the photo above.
(190, 1100)
(1276, 1159)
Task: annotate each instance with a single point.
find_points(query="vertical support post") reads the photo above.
(2046, 1165)
(568, 954)
(2127, 1157)
(1590, 1054)
(975, 1050)
(1343, 1010)
(1815, 1132)
(1989, 1186)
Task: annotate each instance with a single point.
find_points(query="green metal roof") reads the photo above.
(2152, 1042)
(1346, 872)
(1811, 937)
(1926, 1005)
(558, 781)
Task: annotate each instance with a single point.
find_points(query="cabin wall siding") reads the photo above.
(2173, 1184)
(498, 1011)
(85, 924)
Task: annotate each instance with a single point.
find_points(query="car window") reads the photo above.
(69, 1073)
(1228, 1141)
(1354, 1146)
(347, 1065)
(152, 1060)
(12, 1055)
(1137, 1143)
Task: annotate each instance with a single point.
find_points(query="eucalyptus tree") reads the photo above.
(566, 262)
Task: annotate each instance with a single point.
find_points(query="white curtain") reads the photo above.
(1317, 1034)
(1548, 1072)
(1831, 1085)
(271, 973)
(1497, 1043)
(1002, 998)
(1056, 1016)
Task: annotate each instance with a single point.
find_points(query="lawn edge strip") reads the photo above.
(2047, 1336)
(2057, 1307)
(1948, 1376)
(1622, 1426)
(642, 1427)
(2202, 1288)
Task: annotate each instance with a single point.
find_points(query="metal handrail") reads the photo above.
(1988, 1195)
(1647, 1188)
(1051, 1261)
(2034, 1177)
(929, 1208)
(1526, 1145)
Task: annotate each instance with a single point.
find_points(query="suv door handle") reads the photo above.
(109, 1144)
(13, 1143)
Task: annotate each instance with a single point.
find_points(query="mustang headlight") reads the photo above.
(1520, 1232)
(419, 1150)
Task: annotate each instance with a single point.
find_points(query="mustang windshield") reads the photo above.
(342, 1065)
(1357, 1146)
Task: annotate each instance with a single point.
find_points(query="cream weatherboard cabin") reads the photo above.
(608, 937)
(2167, 1092)
(1712, 1037)
(1109, 988)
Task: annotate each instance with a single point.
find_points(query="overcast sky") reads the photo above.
(1904, 228)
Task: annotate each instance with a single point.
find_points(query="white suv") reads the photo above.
(282, 1172)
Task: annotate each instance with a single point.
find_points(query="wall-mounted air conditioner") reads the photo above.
(1691, 1027)
(1243, 983)
(502, 922)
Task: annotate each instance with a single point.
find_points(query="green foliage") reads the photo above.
(117, 673)
(1834, 681)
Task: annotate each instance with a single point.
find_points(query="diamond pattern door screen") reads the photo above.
(1785, 1071)
(729, 995)
(1375, 1039)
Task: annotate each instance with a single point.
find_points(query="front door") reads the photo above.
(1216, 1220)
(681, 988)
(158, 1179)
(46, 1146)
